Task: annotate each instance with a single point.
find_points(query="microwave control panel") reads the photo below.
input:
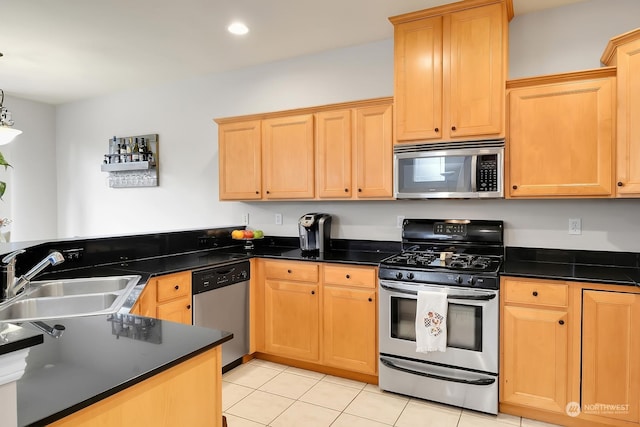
(487, 172)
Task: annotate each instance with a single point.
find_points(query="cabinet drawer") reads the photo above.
(350, 276)
(300, 271)
(536, 292)
(173, 286)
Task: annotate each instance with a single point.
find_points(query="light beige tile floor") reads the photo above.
(261, 393)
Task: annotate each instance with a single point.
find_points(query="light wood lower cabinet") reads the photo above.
(189, 394)
(167, 297)
(611, 354)
(323, 314)
(535, 354)
(570, 352)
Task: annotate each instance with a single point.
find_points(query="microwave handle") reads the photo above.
(474, 173)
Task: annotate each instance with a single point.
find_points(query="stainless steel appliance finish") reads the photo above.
(314, 230)
(461, 258)
(449, 171)
(221, 301)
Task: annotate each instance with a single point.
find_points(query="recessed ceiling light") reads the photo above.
(238, 28)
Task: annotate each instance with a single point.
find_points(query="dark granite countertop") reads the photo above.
(14, 338)
(98, 356)
(620, 268)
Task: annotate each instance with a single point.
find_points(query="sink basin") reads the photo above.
(69, 298)
(59, 288)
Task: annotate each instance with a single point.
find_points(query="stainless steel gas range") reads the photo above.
(461, 258)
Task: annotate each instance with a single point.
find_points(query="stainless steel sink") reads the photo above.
(93, 285)
(69, 298)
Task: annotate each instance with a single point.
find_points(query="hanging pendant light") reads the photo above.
(7, 132)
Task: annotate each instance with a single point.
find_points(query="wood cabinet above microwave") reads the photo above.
(450, 67)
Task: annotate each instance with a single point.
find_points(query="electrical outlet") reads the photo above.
(278, 217)
(245, 219)
(399, 221)
(575, 226)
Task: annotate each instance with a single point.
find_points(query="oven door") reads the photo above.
(472, 325)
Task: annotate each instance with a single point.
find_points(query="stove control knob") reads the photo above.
(471, 280)
(410, 276)
(398, 275)
(458, 279)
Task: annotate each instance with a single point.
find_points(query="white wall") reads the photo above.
(30, 201)
(182, 112)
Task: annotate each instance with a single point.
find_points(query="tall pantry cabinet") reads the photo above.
(450, 66)
(624, 52)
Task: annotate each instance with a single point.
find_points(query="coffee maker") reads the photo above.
(315, 232)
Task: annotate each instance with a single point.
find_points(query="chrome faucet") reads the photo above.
(14, 286)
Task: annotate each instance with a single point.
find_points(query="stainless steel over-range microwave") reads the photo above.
(449, 170)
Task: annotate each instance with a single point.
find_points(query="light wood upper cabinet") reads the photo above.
(374, 152)
(561, 135)
(334, 134)
(611, 353)
(355, 153)
(624, 53)
(240, 160)
(535, 361)
(288, 157)
(450, 70)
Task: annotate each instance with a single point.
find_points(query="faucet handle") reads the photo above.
(11, 258)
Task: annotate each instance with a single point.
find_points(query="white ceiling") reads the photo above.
(64, 50)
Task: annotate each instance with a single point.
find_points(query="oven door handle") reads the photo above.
(479, 381)
(485, 297)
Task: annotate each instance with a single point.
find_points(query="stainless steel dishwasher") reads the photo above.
(221, 301)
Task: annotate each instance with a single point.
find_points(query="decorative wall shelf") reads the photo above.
(125, 173)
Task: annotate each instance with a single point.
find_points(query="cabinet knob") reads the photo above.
(189, 307)
(370, 299)
(561, 322)
(453, 128)
(515, 187)
(348, 276)
(313, 292)
(267, 191)
(257, 192)
(359, 190)
(176, 287)
(535, 293)
(437, 130)
(620, 184)
(289, 271)
(346, 190)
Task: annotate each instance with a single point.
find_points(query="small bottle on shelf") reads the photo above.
(123, 152)
(135, 152)
(143, 150)
(129, 149)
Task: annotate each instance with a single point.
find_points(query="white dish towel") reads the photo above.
(431, 321)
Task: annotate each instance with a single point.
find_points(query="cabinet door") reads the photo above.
(374, 152)
(535, 357)
(611, 354)
(240, 161)
(288, 158)
(418, 79)
(474, 72)
(628, 170)
(291, 315)
(349, 325)
(561, 139)
(178, 310)
(333, 155)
